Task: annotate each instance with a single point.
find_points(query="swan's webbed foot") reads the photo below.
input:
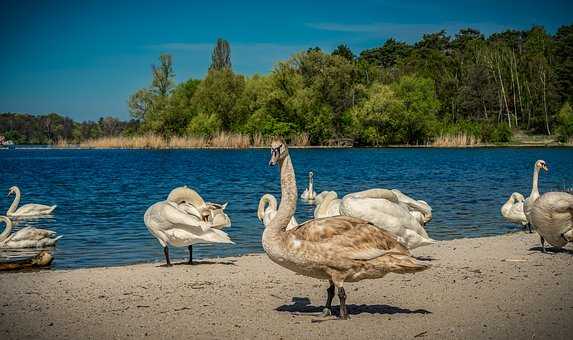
(190, 255)
(343, 310)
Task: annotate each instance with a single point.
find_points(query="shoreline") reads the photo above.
(489, 287)
(478, 146)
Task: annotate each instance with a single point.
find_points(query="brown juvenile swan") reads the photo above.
(338, 249)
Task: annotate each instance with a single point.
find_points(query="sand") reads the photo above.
(496, 287)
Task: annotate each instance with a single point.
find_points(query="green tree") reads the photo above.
(221, 57)
(344, 52)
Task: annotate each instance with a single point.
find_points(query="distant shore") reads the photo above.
(493, 287)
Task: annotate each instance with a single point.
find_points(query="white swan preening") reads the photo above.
(184, 219)
(550, 214)
(27, 210)
(513, 210)
(339, 249)
(26, 237)
(268, 209)
(309, 194)
(382, 208)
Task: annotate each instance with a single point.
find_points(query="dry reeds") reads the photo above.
(460, 139)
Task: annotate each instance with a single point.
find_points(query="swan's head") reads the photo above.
(279, 152)
(310, 174)
(12, 190)
(540, 164)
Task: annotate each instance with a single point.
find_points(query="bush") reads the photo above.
(204, 125)
(501, 134)
(565, 123)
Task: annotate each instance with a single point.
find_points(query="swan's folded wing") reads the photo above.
(30, 233)
(189, 209)
(179, 219)
(348, 237)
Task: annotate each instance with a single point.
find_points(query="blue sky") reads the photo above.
(84, 58)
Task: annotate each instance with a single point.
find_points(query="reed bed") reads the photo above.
(460, 139)
(152, 141)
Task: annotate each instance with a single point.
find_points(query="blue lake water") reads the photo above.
(103, 194)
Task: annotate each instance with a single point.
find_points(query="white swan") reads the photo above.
(268, 209)
(179, 223)
(534, 195)
(513, 211)
(417, 208)
(381, 207)
(26, 210)
(327, 205)
(189, 201)
(26, 237)
(309, 194)
(552, 217)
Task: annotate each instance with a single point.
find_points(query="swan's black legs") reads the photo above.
(329, 296)
(542, 244)
(529, 227)
(190, 254)
(342, 297)
(166, 252)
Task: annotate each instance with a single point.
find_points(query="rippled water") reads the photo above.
(103, 194)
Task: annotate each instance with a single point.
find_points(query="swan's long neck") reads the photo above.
(376, 193)
(535, 188)
(8, 228)
(16, 202)
(266, 199)
(310, 185)
(287, 206)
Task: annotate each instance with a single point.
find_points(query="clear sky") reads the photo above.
(84, 58)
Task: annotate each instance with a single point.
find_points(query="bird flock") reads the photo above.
(363, 235)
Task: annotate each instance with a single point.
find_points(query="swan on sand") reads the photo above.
(27, 210)
(184, 219)
(550, 214)
(27, 237)
(339, 249)
(513, 211)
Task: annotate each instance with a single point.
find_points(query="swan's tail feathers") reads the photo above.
(427, 242)
(217, 236)
(52, 208)
(402, 264)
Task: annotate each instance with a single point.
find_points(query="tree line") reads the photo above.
(397, 93)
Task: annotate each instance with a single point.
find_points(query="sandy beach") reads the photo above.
(490, 288)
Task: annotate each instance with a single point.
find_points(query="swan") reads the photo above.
(26, 237)
(327, 205)
(27, 209)
(339, 249)
(382, 208)
(268, 209)
(417, 208)
(308, 194)
(189, 201)
(534, 195)
(513, 211)
(179, 223)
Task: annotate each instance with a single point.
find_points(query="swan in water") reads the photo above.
(308, 194)
(534, 195)
(381, 207)
(27, 237)
(26, 210)
(513, 211)
(338, 249)
(268, 209)
(178, 222)
(327, 204)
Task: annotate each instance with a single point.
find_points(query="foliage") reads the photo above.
(221, 57)
(565, 122)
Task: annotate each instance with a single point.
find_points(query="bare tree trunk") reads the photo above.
(542, 76)
(503, 93)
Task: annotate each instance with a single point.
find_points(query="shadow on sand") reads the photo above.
(550, 249)
(301, 306)
(199, 263)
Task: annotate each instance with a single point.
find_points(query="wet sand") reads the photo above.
(496, 287)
